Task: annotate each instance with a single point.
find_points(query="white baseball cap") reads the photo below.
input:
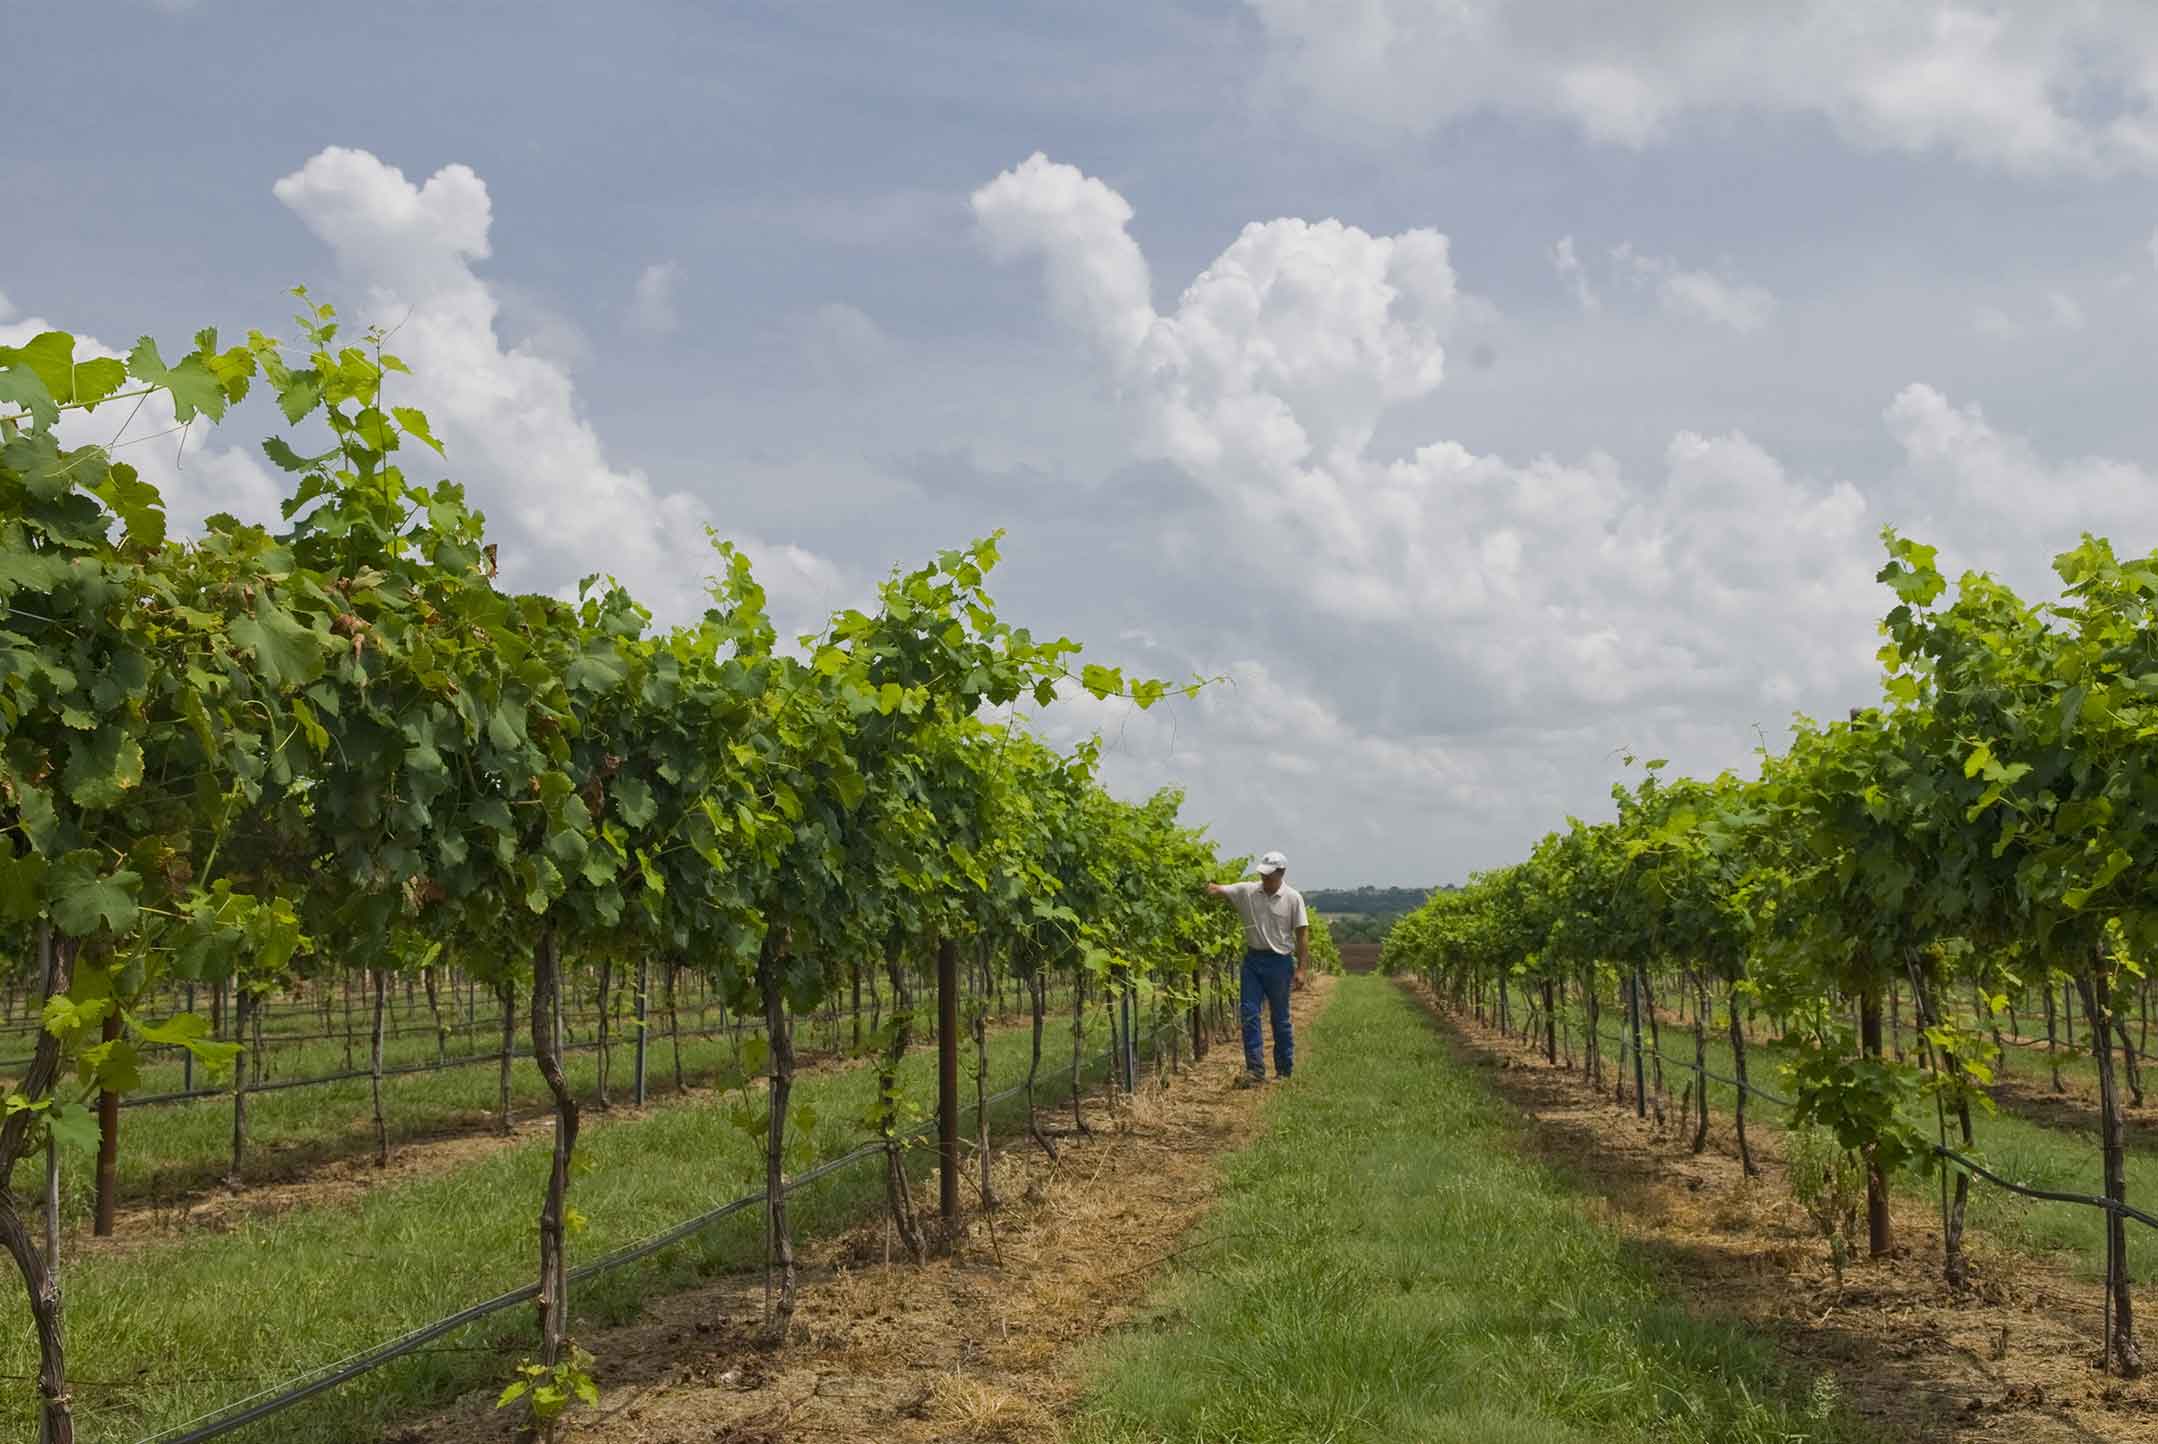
(1271, 863)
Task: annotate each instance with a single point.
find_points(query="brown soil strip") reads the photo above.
(2014, 1361)
(976, 1346)
(1359, 957)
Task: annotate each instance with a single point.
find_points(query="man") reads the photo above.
(1274, 923)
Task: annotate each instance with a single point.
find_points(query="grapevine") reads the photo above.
(1991, 823)
(239, 756)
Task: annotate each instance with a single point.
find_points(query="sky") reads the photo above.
(1482, 392)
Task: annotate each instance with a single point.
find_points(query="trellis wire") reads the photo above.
(276, 1400)
(403, 1070)
(2045, 1195)
(272, 1042)
(406, 1070)
(2116, 1262)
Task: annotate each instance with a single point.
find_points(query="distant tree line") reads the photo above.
(1369, 899)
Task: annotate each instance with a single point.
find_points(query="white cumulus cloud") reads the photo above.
(1269, 378)
(1265, 385)
(508, 416)
(2001, 503)
(1500, 625)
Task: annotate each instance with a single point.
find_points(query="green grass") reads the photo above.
(163, 1332)
(1384, 1266)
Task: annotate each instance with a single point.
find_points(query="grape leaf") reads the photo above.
(84, 900)
(192, 386)
(138, 504)
(73, 1126)
(286, 653)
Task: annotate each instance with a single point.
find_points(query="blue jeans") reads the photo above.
(1267, 975)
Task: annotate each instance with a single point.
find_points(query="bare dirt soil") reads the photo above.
(2012, 1361)
(1360, 957)
(978, 1345)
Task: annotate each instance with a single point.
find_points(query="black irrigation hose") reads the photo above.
(1754, 1089)
(270, 1013)
(381, 1354)
(479, 1027)
(405, 1070)
(2048, 1195)
(270, 1035)
(2044, 1195)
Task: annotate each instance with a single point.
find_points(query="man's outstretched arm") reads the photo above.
(1215, 889)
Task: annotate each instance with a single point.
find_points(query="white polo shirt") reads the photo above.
(1270, 921)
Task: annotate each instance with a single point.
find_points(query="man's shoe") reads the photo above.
(1251, 1080)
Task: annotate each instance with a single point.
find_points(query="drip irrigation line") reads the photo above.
(2069, 1052)
(276, 1400)
(479, 1028)
(1755, 1089)
(271, 1041)
(405, 1070)
(11, 1032)
(1971, 1165)
(2047, 1195)
(628, 1039)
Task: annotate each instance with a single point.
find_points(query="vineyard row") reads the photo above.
(340, 746)
(1989, 830)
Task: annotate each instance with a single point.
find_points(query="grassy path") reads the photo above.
(1384, 1266)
